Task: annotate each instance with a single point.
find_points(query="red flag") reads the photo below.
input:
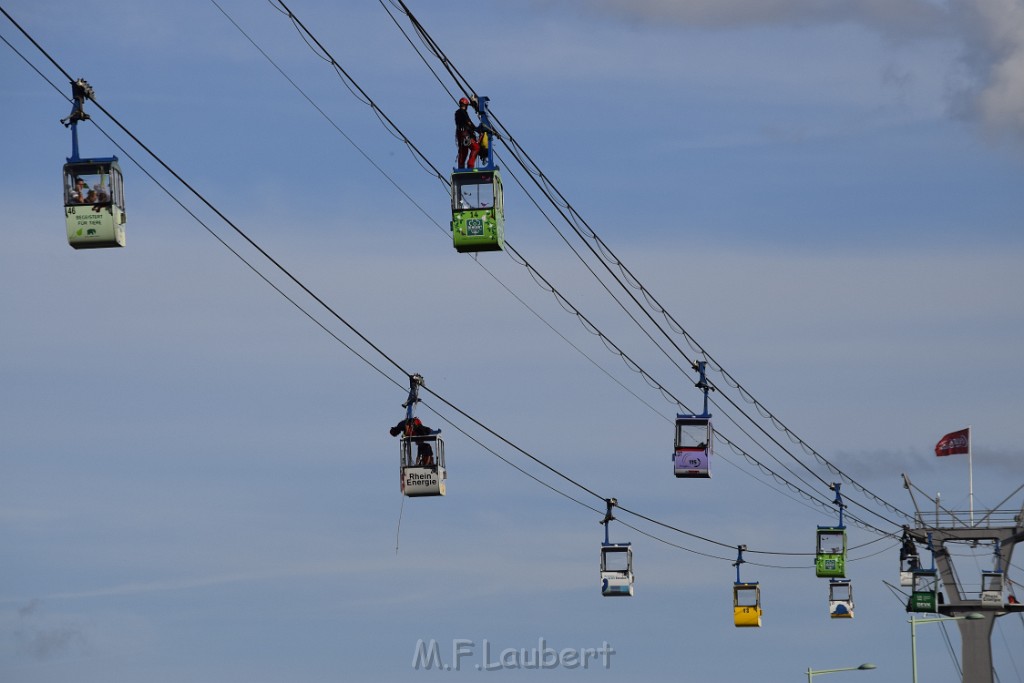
(954, 443)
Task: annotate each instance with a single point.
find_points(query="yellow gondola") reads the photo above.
(746, 604)
(746, 598)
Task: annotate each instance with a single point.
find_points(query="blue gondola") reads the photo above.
(694, 433)
(478, 208)
(616, 562)
(93, 188)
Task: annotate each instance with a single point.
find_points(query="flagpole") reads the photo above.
(970, 470)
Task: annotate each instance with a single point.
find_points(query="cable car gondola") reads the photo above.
(616, 570)
(924, 595)
(746, 601)
(840, 599)
(478, 209)
(693, 444)
(422, 468)
(616, 562)
(909, 559)
(93, 188)
(924, 591)
(830, 556)
(992, 581)
(992, 588)
(423, 476)
(746, 598)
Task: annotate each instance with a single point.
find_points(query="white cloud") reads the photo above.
(993, 35)
(895, 18)
(989, 90)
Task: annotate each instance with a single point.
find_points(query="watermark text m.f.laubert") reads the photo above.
(427, 655)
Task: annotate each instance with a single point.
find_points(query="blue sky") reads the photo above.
(198, 484)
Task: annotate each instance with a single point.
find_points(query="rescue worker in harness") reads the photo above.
(465, 136)
(414, 428)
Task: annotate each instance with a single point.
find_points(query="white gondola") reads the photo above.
(94, 203)
(693, 446)
(93, 187)
(840, 599)
(616, 570)
(992, 588)
(423, 474)
(616, 561)
(906, 575)
(692, 455)
(910, 561)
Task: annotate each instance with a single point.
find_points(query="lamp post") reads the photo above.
(863, 667)
(913, 633)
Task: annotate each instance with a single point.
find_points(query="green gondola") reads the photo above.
(478, 212)
(830, 558)
(924, 596)
(478, 208)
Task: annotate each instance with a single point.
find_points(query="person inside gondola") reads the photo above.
(414, 428)
(465, 136)
(78, 193)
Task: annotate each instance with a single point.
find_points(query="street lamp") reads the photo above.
(971, 616)
(862, 667)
